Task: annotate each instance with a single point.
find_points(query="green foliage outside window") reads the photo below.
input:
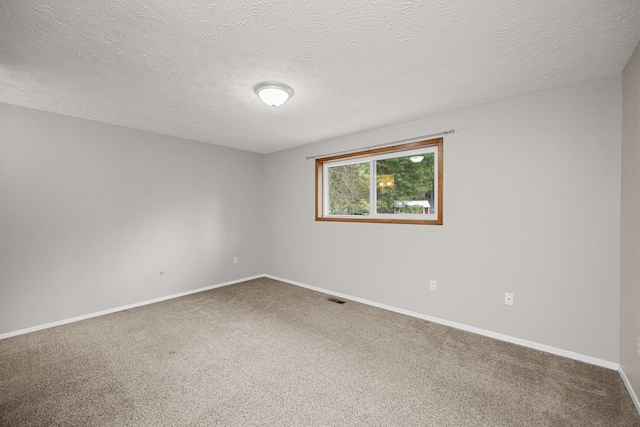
(396, 184)
(400, 180)
(412, 181)
(349, 189)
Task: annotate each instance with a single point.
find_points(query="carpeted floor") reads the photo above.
(265, 353)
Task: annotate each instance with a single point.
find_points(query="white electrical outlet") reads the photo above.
(638, 339)
(432, 285)
(235, 259)
(508, 298)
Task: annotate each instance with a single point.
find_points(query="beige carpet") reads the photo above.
(265, 353)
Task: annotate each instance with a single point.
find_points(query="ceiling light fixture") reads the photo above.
(416, 159)
(273, 94)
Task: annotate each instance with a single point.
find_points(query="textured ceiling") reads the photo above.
(187, 68)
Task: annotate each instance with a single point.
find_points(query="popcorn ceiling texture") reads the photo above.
(188, 68)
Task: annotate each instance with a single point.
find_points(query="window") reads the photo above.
(399, 184)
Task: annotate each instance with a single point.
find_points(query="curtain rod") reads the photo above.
(417, 138)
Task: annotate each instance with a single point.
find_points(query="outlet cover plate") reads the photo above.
(432, 285)
(508, 298)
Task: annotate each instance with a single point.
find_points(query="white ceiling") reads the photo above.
(187, 68)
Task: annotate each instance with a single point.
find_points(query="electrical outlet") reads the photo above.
(638, 350)
(432, 285)
(235, 259)
(508, 298)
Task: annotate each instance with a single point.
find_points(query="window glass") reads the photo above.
(349, 189)
(405, 184)
(398, 184)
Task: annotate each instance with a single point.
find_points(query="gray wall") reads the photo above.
(531, 207)
(91, 213)
(630, 223)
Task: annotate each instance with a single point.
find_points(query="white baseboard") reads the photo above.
(632, 393)
(501, 337)
(542, 347)
(124, 307)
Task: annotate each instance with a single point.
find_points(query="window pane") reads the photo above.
(399, 184)
(405, 185)
(349, 189)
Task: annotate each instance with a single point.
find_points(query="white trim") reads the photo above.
(495, 335)
(542, 347)
(124, 307)
(632, 393)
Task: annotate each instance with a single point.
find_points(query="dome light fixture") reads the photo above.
(273, 94)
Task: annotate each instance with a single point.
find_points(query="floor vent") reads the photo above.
(337, 301)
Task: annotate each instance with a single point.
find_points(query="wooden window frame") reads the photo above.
(321, 162)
